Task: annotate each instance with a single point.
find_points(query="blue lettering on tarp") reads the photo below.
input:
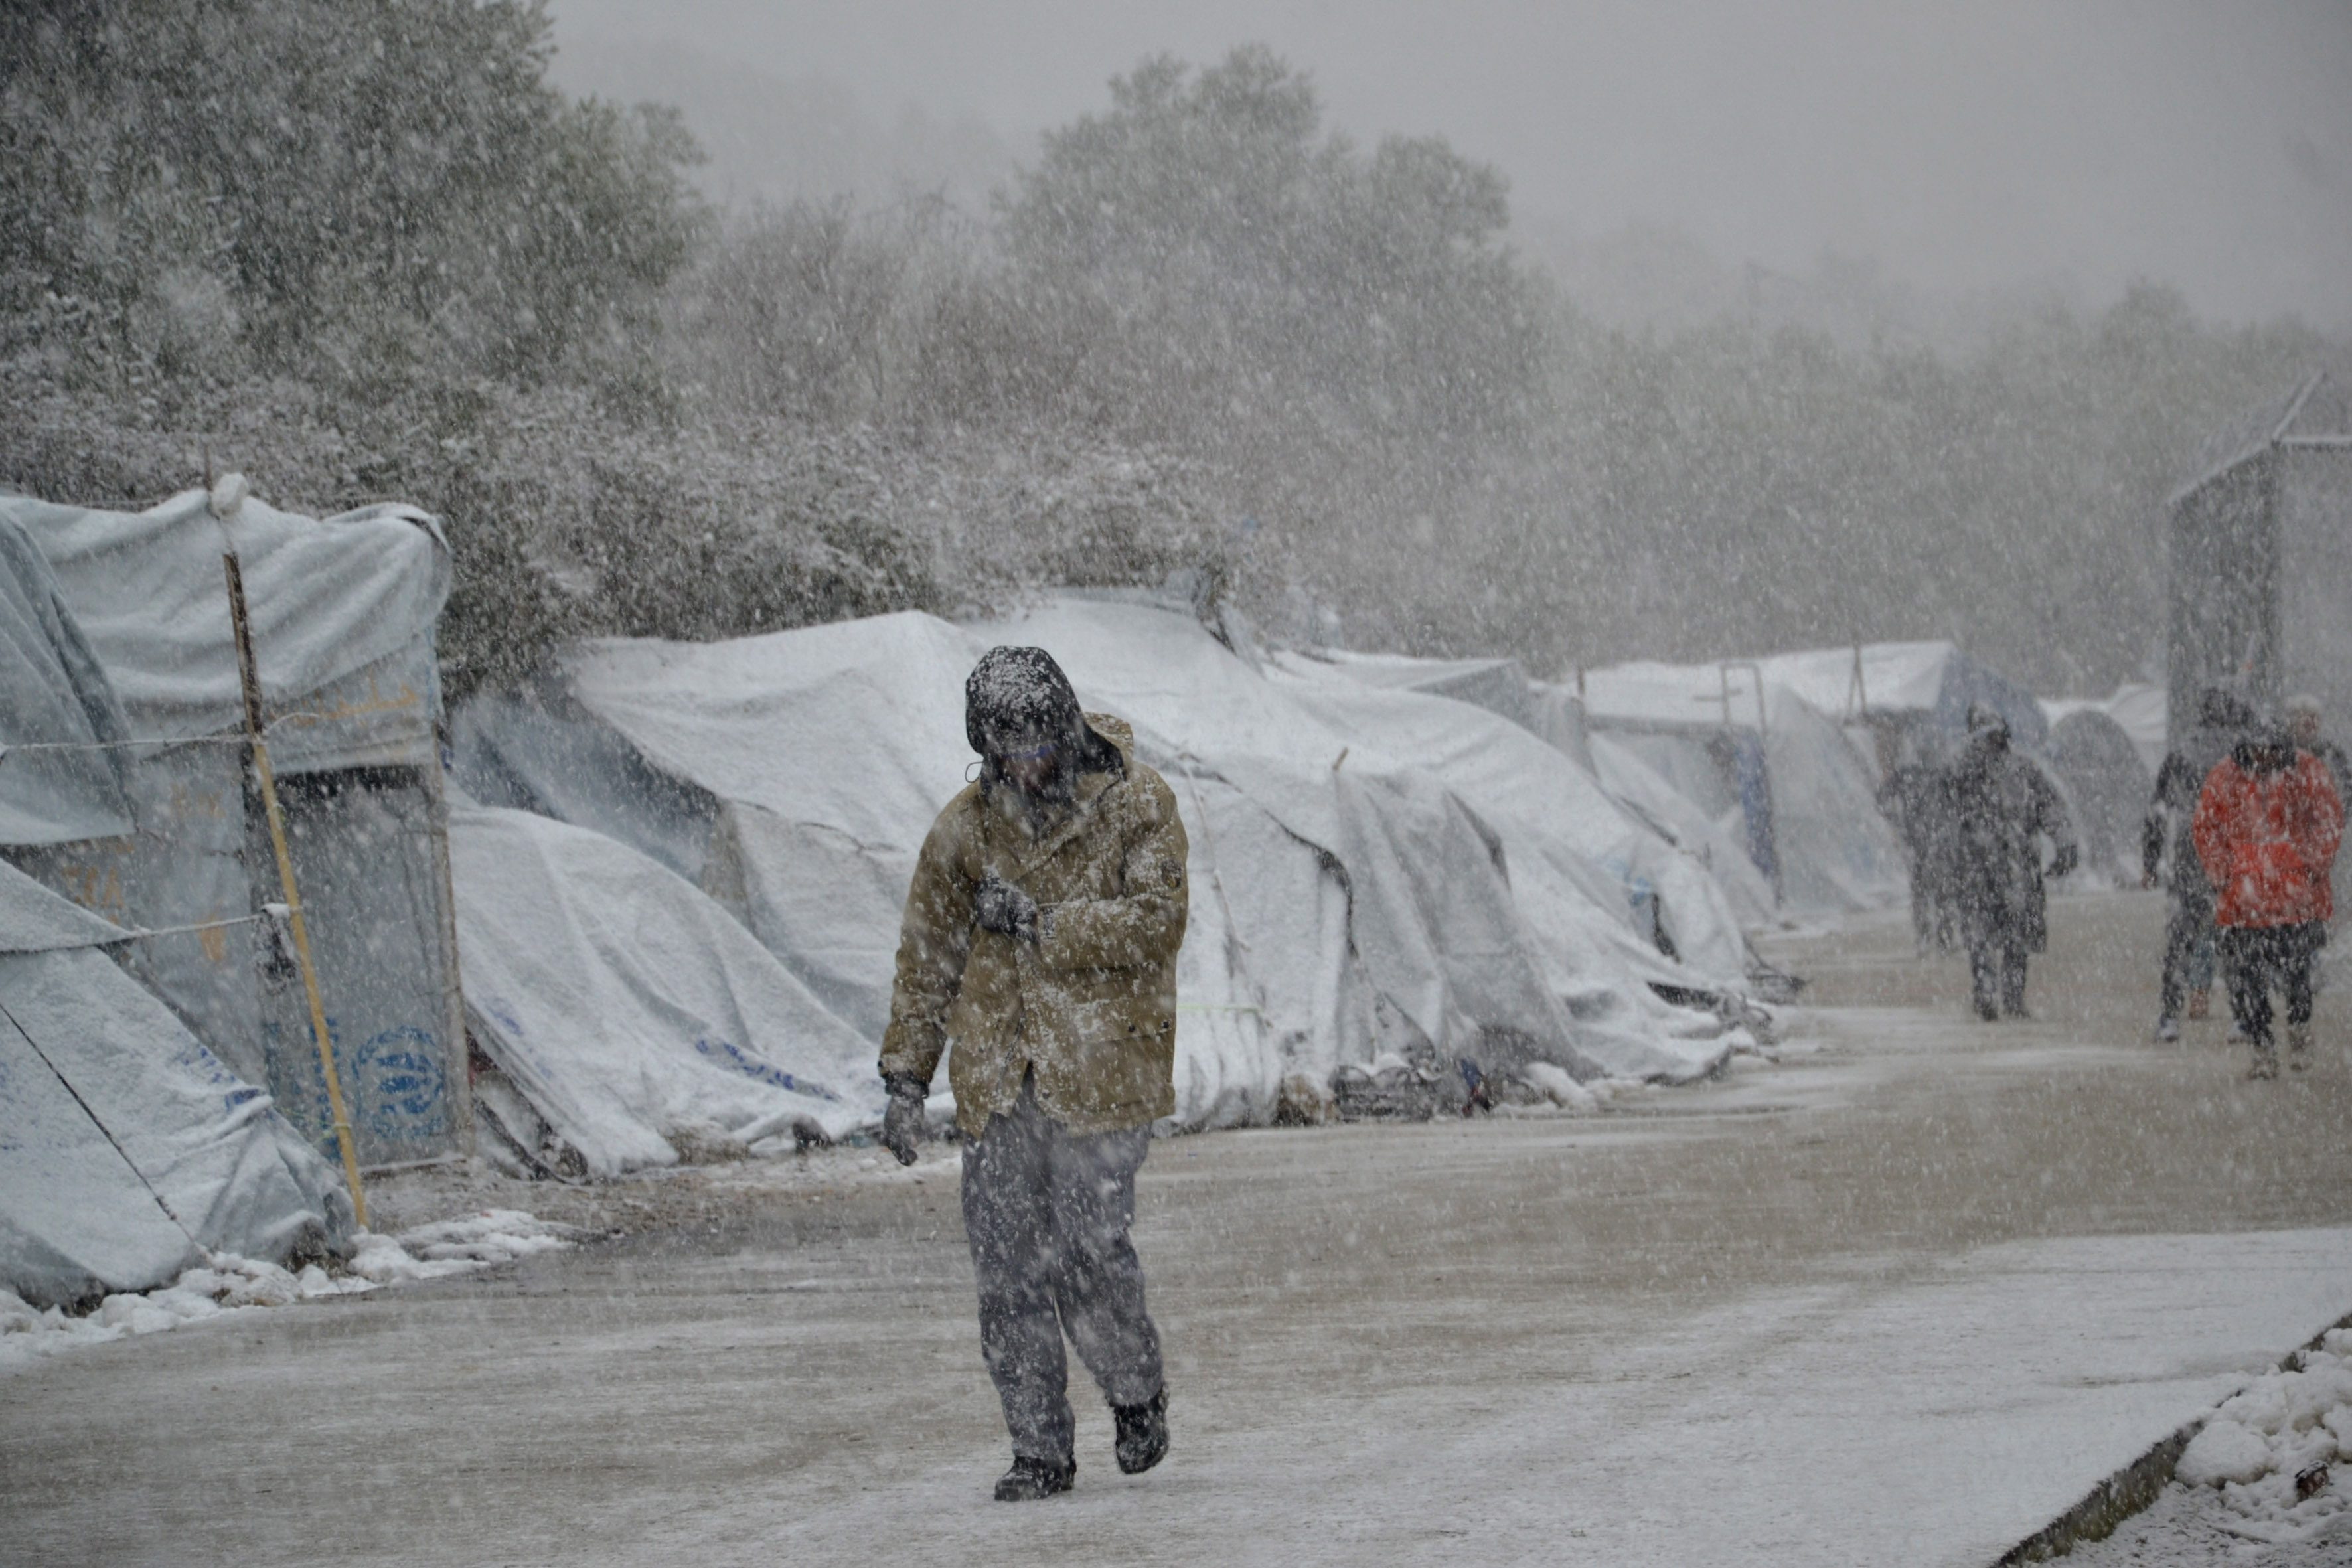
(400, 1078)
(299, 1088)
(244, 1094)
(752, 1067)
(500, 1011)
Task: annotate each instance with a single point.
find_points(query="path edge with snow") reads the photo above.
(2103, 1509)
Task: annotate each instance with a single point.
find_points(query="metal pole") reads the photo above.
(251, 682)
(457, 1054)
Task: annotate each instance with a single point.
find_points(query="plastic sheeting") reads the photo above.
(630, 1010)
(53, 695)
(125, 1146)
(1558, 824)
(1717, 844)
(2107, 789)
(343, 614)
(2136, 708)
(827, 752)
(1808, 813)
(1934, 681)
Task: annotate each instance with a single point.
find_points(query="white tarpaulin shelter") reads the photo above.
(2137, 709)
(1678, 819)
(60, 778)
(1933, 682)
(343, 614)
(1559, 823)
(629, 1010)
(2106, 787)
(1276, 737)
(1778, 774)
(125, 1146)
(794, 776)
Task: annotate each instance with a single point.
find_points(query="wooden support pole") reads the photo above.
(251, 682)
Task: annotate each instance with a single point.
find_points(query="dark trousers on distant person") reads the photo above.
(2188, 951)
(2260, 959)
(1996, 973)
(1047, 1212)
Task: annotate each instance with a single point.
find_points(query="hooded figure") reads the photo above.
(2222, 717)
(1038, 954)
(2002, 807)
(2268, 825)
(1915, 799)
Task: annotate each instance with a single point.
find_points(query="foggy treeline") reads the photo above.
(361, 251)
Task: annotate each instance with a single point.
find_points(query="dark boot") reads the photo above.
(1142, 1441)
(1030, 1479)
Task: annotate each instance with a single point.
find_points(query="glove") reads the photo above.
(902, 1125)
(1005, 909)
(2064, 861)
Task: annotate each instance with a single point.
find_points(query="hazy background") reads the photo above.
(1576, 334)
(1957, 160)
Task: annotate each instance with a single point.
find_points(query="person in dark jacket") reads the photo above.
(1038, 955)
(1915, 800)
(2002, 807)
(2169, 855)
(2268, 825)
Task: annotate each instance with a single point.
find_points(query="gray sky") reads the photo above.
(1965, 147)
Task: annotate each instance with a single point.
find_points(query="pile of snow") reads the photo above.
(2274, 1442)
(225, 1284)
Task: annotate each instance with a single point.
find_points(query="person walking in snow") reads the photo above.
(2002, 807)
(2303, 715)
(2168, 854)
(1038, 951)
(1915, 800)
(2268, 825)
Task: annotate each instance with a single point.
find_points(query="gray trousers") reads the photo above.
(1046, 1210)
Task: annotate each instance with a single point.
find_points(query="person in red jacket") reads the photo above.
(2268, 824)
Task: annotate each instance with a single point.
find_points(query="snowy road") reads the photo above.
(1900, 1298)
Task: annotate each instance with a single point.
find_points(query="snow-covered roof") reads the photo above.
(1932, 679)
(342, 613)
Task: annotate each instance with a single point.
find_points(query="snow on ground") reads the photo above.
(2259, 1483)
(226, 1284)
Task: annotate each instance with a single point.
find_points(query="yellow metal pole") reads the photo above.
(251, 682)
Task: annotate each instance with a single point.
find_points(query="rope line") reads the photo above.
(10, 749)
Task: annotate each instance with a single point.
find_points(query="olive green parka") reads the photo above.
(1090, 1006)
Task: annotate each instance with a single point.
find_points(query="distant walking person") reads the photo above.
(2168, 854)
(1039, 949)
(2268, 825)
(1915, 800)
(2002, 807)
(2303, 713)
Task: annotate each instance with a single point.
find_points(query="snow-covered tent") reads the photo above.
(1927, 683)
(1500, 686)
(2106, 787)
(125, 1146)
(624, 1012)
(1676, 818)
(2137, 708)
(342, 615)
(1552, 810)
(792, 777)
(61, 771)
(1569, 857)
(1767, 767)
